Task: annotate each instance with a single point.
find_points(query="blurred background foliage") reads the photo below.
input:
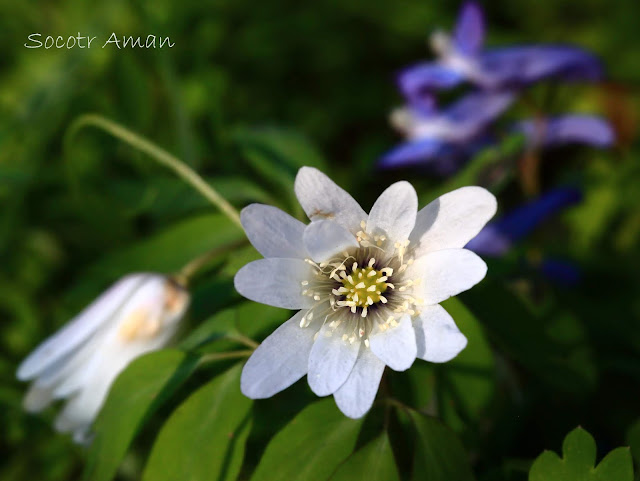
(250, 92)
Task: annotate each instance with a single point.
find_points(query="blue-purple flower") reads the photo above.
(462, 58)
(443, 142)
(567, 129)
(498, 237)
(442, 139)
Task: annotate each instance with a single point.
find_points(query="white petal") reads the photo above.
(446, 273)
(81, 327)
(81, 410)
(272, 232)
(81, 368)
(453, 219)
(279, 361)
(437, 336)
(276, 282)
(324, 238)
(356, 395)
(67, 377)
(396, 346)
(394, 213)
(37, 398)
(322, 199)
(97, 375)
(331, 359)
(143, 323)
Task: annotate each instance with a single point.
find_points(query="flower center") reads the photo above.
(364, 286)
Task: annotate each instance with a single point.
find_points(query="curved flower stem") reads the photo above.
(394, 402)
(242, 339)
(159, 155)
(184, 275)
(220, 356)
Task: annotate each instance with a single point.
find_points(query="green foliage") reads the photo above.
(578, 462)
(250, 93)
(136, 394)
(466, 385)
(204, 438)
(373, 462)
(633, 439)
(311, 446)
(277, 154)
(159, 253)
(439, 455)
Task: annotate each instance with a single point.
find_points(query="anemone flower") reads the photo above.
(441, 139)
(567, 129)
(462, 58)
(79, 363)
(444, 155)
(367, 287)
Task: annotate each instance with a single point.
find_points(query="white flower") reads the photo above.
(79, 363)
(367, 286)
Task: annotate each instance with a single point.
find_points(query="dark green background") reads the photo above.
(70, 224)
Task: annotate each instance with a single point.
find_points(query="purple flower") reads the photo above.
(561, 271)
(497, 238)
(462, 58)
(443, 139)
(568, 129)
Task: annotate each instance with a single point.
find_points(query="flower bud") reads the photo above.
(136, 315)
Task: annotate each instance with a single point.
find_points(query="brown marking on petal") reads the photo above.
(323, 214)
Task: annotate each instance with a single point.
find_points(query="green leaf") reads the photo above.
(170, 249)
(374, 462)
(277, 154)
(577, 464)
(633, 440)
(165, 252)
(250, 319)
(547, 467)
(287, 146)
(311, 446)
(439, 455)
(137, 392)
(466, 384)
(616, 466)
(520, 334)
(258, 321)
(164, 197)
(579, 449)
(205, 436)
(212, 329)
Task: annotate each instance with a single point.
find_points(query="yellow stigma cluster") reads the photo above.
(364, 286)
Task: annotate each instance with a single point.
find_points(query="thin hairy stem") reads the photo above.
(242, 339)
(184, 275)
(159, 155)
(221, 356)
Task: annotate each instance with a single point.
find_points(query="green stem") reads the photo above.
(220, 356)
(159, 155)
(242, 339)
(185, 274)
(394, 402)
